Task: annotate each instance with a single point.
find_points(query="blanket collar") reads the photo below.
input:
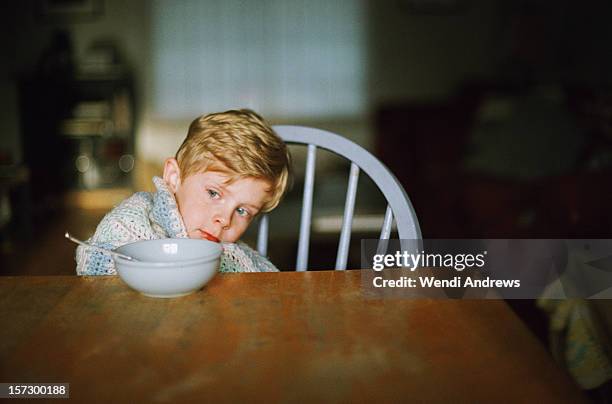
(165, 211)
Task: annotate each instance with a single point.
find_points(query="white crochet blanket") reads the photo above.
(149, 216)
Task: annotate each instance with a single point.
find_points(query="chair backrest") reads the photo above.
(398, 203)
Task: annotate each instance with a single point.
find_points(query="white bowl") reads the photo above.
(170, 267)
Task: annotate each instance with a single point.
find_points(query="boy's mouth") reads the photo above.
(208, 236)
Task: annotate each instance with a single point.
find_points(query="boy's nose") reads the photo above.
(223, 218)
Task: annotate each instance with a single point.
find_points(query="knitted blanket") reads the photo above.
(150, 216)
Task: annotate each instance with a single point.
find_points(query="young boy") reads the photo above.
(230, 167)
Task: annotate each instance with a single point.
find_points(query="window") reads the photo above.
(289, 58)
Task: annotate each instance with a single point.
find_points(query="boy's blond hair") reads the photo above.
(239, 142)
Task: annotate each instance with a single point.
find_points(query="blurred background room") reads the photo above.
(496, 116)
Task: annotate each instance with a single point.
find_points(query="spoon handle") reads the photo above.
(93, 247)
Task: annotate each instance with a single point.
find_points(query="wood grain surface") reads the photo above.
(306, 337)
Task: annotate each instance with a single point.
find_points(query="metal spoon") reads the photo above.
(93, 247)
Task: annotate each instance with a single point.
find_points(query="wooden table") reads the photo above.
(267, 336)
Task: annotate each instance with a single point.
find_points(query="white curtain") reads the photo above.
(283, 58)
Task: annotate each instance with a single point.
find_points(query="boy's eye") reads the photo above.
(213, 194)
(242, 212)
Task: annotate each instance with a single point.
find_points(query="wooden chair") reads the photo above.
(398, 203)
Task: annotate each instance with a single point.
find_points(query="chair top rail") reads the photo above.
(403, 211)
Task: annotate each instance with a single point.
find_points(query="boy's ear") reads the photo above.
(172, 174)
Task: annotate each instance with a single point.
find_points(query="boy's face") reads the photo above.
(214, 208)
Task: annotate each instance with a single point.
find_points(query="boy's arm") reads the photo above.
(110, 234)
(124, 224)
(91, 262)
(239, 257)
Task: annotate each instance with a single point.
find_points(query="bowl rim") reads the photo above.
(164, 264)
(161, 265)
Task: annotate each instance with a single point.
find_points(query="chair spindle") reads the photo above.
(302, 257)
(347, 220)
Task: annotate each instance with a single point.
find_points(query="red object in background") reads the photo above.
(423, 145)
(498, 208)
